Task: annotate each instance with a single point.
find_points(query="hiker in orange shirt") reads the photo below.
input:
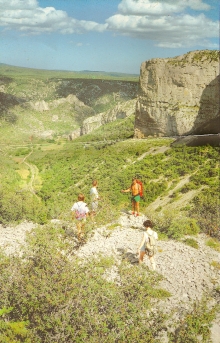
(135, 191)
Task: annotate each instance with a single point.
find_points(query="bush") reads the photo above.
(13, 332)
(18, 206)
(182, 226)
(196, 325)
(213, 243)
(191, 242)
(206, 211)
(173, 224)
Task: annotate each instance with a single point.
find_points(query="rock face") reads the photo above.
(179, 96)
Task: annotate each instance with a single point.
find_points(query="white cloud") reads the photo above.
(169, 23)
(165, 22)
(28, 17)
(161, 7)
(17, 4)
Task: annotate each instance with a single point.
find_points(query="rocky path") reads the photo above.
(188, 273)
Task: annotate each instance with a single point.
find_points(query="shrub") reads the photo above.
(13, 332)
(18, 206)
(173, 224)
(188, 187)
(196, 325)
(191, 242)
(182, 226)
(215, 264)
(213, 243)
(206, 212)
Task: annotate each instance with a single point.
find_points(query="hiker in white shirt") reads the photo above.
(94, 196)
(142, 248)
(80, 212)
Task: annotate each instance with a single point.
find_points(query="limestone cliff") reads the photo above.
(179, 96)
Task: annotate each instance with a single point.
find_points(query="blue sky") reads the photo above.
(104, 35)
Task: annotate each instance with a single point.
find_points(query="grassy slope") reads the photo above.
(62, 170)
(9, 71)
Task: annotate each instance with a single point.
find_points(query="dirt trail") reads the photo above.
(34, 173)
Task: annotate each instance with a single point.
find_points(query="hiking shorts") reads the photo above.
(136, 198)
(95, 205)
(77, 220)
(142, 249)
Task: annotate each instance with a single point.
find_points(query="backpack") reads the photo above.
(79, 214)
(141, 188)
(150, 245)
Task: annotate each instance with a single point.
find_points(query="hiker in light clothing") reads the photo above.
(94, 196)
(80, 212)
(135, 191)
(142, 248)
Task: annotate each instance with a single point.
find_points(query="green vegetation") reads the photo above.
(215, 264)
(111, 133)
(13, 332)
(173, 224)
(42, 182)
(191, 242)
(213, 243)
(196, 325)
(217, 289)
(19, 72)
(202, 55)
(64, 300)
(210, 55)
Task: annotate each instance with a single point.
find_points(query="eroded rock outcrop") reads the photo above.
(40, 106)
(121, 111)
(179, 96)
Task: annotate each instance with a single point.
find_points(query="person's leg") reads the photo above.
(92, 213)
(152, 261)
(133, 207)
(137, 207)
(82, 228)
(94, 207)
(141, 257)
(79, 227)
